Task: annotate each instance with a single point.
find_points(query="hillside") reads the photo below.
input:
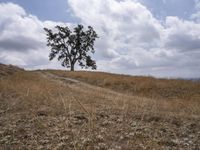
(137, 85)
(54, 109)
(8, 69)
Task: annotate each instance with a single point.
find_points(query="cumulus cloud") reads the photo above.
(182, 35)
(22, 39)
(117, 18)
(132, 40)
(18, 30)
(136, 42)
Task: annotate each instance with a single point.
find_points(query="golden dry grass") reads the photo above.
(8, 69)
(101, 112)
(137, 85)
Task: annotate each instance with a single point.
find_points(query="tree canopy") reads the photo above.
(71, 47)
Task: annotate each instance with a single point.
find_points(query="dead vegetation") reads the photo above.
(137, 85)
(39, 110)
(8, 69)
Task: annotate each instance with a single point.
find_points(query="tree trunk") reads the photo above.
(72, 67)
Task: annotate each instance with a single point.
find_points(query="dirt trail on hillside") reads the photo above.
(124, 118)
(83, 87)
(75, 115)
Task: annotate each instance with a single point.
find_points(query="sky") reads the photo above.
(158, 38)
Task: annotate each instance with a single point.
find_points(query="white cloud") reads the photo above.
(116, 18)
(22, 38)
(141, 44)
(19, 31)
(131, 39)
(182, 35)
(10, 9)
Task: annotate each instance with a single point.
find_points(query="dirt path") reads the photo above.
(96, 91)
(82, 116)
(50, 75)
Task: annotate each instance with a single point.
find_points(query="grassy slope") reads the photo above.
(37, 111)
(137, 85)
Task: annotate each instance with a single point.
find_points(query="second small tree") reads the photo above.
(71, 47)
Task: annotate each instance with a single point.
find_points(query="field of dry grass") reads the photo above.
(39, 110)
(137, 85)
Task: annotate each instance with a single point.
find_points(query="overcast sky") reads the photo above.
(139, 37)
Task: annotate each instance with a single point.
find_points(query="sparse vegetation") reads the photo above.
(8, 70)
(39, 110)
(137, 85)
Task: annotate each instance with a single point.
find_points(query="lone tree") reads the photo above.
(71, 47)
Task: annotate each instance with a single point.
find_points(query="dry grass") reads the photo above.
(111, 112)
(29, 90)
(137, 85)
(8, 70)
